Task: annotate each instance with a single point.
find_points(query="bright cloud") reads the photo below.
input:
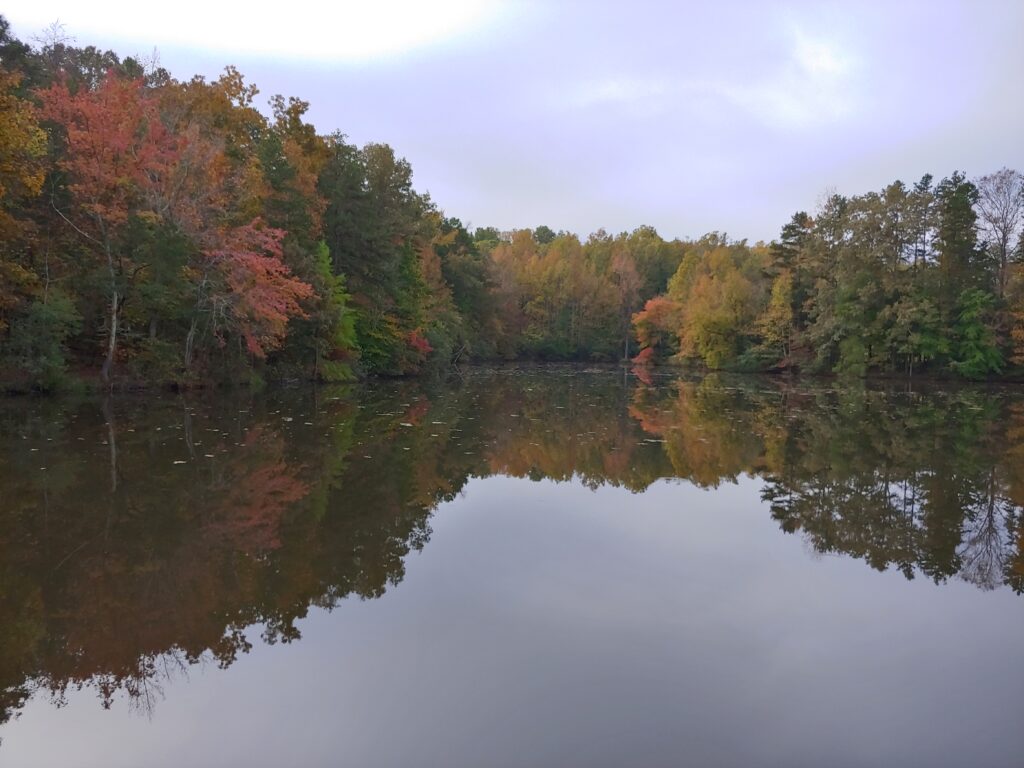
(820, 59)
(815, 84)
(339, 31)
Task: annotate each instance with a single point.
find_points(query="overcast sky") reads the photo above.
(690, 117)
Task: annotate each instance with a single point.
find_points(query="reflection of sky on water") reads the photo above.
(550, 624)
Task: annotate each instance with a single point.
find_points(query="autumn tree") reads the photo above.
(22, 169)
(247, 290)
(115, 151)
(657, 328)
(776, 323)
(719, 292)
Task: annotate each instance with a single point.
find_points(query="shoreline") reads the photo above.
(91, 386)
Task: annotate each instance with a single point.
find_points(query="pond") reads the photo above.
(522, 567)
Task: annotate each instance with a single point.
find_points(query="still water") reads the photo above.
(520, 568)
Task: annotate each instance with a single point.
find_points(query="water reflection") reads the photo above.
(928, 482)
(140, 536)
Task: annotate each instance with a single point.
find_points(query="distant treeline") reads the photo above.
(156, 231)
(928, 277)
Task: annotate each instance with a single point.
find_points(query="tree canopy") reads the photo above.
(164, 231)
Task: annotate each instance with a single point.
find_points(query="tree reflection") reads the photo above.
(141, 537)
(924, 482)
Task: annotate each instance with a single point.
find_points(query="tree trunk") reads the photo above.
(316, 357)
(190, 344)
(108, 362)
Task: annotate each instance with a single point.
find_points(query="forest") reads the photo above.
(166, 232)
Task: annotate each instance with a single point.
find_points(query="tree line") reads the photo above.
(926, 277)
(160, 231)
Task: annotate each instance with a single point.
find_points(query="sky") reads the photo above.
(689, 117)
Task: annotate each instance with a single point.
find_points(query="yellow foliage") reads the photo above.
(22, 143)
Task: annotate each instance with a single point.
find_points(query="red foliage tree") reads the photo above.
(657, 328)
(256, 293)
(116, 154)
(419, 344)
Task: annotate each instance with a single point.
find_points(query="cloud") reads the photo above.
(820, 59)
(616, 90)
(341, 31)
(807, 81)
(814, 85)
